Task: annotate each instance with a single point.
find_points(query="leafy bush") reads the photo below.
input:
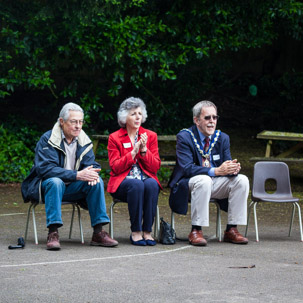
(102, 151)
(104, 174)
(16, 158)
(99, 52)
(164, 174)
(22, 130)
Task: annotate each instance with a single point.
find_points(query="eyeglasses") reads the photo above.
(207, 118)
(75, 122)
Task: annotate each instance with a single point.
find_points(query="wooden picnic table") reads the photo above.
(167, 147)
(270, 136)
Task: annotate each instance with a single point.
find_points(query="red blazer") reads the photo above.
(120, 159)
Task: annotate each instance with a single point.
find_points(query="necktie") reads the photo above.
(206, 145)
(205, 162)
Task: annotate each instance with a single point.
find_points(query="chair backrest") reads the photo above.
(277, 171)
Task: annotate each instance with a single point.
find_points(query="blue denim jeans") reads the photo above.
(142, 200)
(55, 191)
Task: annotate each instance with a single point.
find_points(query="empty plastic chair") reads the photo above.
(278, 171)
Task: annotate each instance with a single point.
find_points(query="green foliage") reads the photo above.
(104, 174)
(284, 94)
(22, 131)
(164, 174)
(102, 151)
(16, 158)
(17, 144)
(100, 51)
(277, 103)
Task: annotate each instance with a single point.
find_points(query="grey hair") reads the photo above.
(197, 109)
(64, 113)
(127, 105)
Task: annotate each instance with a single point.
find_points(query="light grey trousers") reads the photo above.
(202, 188)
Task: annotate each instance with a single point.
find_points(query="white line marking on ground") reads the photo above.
(13, 214)
(36, 212)
(96, 259)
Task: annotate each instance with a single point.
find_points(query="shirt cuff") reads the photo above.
(211, 172)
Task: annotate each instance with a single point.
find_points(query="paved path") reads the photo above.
(268, 271)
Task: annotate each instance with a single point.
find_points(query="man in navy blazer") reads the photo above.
(205, 170)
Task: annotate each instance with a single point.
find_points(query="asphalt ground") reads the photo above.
(268, 271)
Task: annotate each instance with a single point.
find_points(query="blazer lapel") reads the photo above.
(197, 136)
(125, 142)
(215, 153)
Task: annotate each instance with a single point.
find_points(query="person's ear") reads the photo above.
(61, 121)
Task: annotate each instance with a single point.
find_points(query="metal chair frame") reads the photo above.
(32, 208)
(280, 173)
(218, 223)
(111, 224)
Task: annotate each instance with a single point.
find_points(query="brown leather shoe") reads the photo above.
(234, 236)
(53, 241)
(196, 238)
(103, 239)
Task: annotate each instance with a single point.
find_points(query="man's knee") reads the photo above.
(53, 183)
(243, 181)
(98, 184)
(101, 181)
(201, 181)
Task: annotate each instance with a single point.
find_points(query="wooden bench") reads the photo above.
(167, 149)
(270, 136)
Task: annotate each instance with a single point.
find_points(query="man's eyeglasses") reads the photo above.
(75, 122)
(207, 118)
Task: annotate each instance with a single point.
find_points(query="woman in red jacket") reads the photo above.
(134, 160)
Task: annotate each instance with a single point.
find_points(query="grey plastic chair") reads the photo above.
(278, 171)
(111, 224)
(32, 208)
(218, 225)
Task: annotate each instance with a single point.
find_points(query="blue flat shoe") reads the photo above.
(138, 243)
(150, 242)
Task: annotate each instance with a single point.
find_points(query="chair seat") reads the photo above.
(276, 199)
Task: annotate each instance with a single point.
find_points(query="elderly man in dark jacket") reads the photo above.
(205, 170)
(65, 169)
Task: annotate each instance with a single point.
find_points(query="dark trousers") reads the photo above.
(142, 199)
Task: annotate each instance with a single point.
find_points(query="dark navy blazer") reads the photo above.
(189, 164)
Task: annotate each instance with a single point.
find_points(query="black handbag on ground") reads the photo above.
(167, 233)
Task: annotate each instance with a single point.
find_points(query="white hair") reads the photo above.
(197, 109)
(126, 106)
(64, 113)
